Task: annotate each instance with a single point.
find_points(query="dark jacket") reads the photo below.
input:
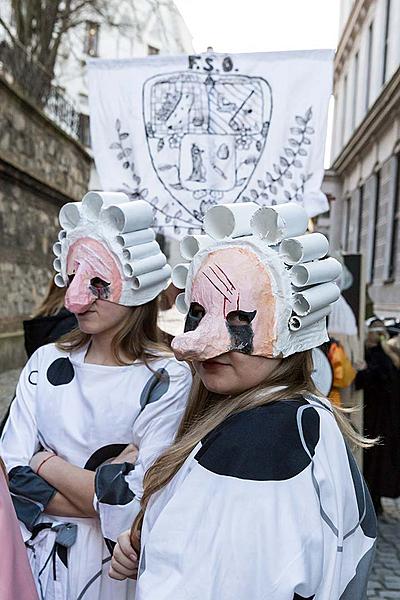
(44, 330)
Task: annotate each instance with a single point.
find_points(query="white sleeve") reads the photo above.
(19, 442)
(118, 488)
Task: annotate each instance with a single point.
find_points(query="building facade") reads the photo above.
(364, 177)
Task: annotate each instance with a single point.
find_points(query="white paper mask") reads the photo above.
(107, 250)
(256, 284)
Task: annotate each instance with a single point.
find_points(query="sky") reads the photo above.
(263, 26)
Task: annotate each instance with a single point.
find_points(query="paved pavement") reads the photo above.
(384, 583)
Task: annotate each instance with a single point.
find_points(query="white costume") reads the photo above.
(269, 506)
(86, 414)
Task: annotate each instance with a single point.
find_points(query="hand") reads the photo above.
(129, 454)
(38, 458)
(124, 562)
(360, 365)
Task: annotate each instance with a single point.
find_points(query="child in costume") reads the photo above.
(259, 497)
(93, 411)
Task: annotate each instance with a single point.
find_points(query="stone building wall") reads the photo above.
(41, 168)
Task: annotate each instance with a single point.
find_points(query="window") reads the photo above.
(395, 216)
(386, 42)
(360, 216)
(369, 64)
(355, 88)
(375, 218)
(344, 109)
(152, 50)
(346, 225)
(92, 38)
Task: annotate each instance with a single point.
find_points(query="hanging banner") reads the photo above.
(187, 132)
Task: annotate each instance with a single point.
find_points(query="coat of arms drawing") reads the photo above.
(206, 132)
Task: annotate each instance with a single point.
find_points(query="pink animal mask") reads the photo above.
(254, 284)
(232, 308)
(93, 273)
(107, 250)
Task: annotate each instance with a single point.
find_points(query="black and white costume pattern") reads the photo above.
(270, 505)
(87, 414)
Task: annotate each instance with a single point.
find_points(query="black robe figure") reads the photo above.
(380, 382)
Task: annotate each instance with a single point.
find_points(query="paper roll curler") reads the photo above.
(129, 216)
(315, 298)
(148, 279)
(133, 253)
(296, 323)
(70, 215)
(57, 248)
(134, 238)
(179, 275)
(145, 265)
(180, 304)
(303, 248)
(57, 264)
(59, 280)
(274, 223)
(192, 244)
(62, 235)
(229, 220)
(93, 202)
(319, 271)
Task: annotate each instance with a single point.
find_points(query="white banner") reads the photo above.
(188, 132)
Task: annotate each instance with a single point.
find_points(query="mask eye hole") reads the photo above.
(99, 288)
(240, 318)
(70, 278)
(196, 311)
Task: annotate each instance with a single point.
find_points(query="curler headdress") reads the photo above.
(255, 283)
(107, 249)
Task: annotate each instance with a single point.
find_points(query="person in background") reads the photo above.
(50, 321)
(16, 581)
(380, 382)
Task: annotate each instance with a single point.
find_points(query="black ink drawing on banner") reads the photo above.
(206, 135)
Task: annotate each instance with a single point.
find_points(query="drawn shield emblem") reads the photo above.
(206, 133)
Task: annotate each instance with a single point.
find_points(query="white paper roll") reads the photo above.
(148, 279)
(303, 248)
(93, 202)
(70, 215)
(62, 235)
(145, 265)
(296, 323)
(133, 253)
(130, 216)
(315, 298)
(134, 238)
(57, 264)
(192, 244)
(59, 280)
(179, 275)
(229, 220)
(180, 304)
(57, 248)
(318, 271)
(274, 223)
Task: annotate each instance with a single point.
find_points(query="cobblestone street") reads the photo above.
(385, 578)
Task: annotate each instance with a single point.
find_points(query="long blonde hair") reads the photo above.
(206, 410)
(138, 338)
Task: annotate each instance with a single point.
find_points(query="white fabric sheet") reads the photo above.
(187, 132)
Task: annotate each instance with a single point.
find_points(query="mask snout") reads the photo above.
(208, 340)
(79, 298)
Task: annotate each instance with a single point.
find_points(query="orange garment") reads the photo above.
(343, 371)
